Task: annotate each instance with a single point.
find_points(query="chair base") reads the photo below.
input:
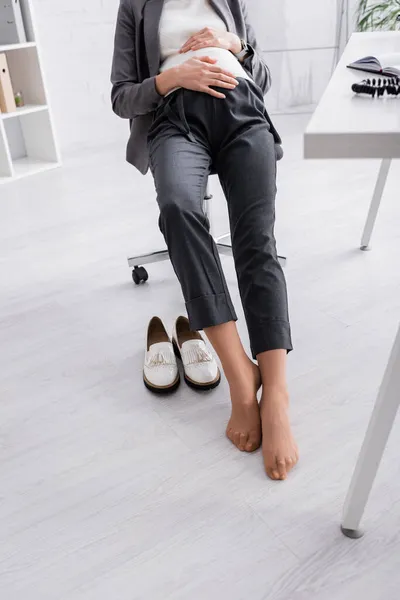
(140, 275)
(136, 262)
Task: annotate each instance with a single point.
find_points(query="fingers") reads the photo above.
(211, 61)
(203, 39)
(219, 78)
(221, 84)
(202, 33)
(186, 46)
(222, 72)
(200, 44)
(194, 39)
(220, 81)
(212, 92)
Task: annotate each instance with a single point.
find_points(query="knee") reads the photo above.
(171, 214)
(178, 213)
(171, 210)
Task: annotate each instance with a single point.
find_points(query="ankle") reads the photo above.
(278, 386)
(243, 390)
(241, 400)
(238, 370)
(276, 393)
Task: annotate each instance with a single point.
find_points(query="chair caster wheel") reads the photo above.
(139, 275)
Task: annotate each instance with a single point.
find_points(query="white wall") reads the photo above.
(299, 40)
(77, 40)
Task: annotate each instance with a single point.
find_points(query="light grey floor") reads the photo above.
(108, 493)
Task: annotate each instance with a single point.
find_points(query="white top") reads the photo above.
(346, 125)
(180, 20)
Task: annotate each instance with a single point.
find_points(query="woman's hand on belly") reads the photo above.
(211, 38)
(197, 74)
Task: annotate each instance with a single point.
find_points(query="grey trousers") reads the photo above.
(193, 135)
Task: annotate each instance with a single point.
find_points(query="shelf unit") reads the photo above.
(27, 138)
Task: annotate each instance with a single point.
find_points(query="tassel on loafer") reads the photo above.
(160, 371)
(200, 367)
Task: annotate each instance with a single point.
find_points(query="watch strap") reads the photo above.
(244, 50)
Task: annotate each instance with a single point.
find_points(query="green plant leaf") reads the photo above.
(380, 15)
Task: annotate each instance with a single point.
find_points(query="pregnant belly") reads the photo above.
(225, 60)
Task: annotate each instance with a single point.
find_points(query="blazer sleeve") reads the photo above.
(130, 98)
(254, 63)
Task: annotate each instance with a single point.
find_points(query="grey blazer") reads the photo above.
(136, 62)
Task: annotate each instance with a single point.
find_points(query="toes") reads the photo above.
(272, 474)
(254, 441)
(240, 440)
(271, 468)
(252, 446)
(243, 441)
(282, 468)
(229, 434)
(290, 462)
(236, 439)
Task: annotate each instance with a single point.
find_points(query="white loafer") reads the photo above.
(160, 372)
(200, 367)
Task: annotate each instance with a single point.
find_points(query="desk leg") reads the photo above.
(375, 203)
(374, 445)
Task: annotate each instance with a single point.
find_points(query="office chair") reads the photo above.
(139, 273)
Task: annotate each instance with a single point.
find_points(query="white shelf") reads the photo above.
(26, 166)
(29, 166)
(24, 110)
(27, 138)
(8, 47)
(5, 179)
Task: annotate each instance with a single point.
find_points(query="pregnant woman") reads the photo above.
(188, 75)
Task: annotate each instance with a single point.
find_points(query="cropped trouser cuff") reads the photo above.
(272, 334)
(208, 311)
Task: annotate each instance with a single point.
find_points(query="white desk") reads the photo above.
(374, 445)
(349, 126)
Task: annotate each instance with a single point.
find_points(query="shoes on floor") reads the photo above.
(160, 372)
(200, 367)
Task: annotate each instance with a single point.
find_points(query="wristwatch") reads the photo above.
(244, 51)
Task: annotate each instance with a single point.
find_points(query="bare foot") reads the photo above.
(244, 427)
(279, 447)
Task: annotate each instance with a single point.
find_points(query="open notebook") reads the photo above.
(387, 65)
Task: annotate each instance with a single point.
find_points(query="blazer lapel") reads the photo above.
(221, 7)
(151, 18)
